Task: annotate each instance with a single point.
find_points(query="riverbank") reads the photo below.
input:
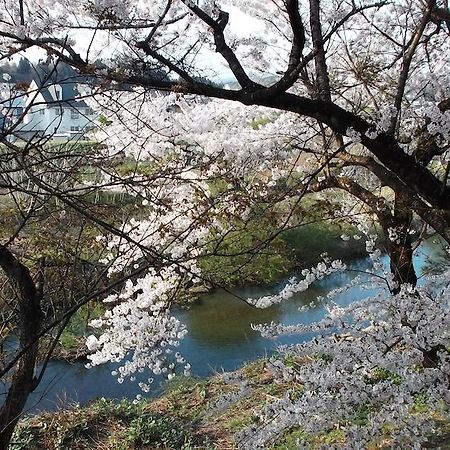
(193, 413)
(203, 414)
(220, 338)
(295, 249)
(220, 335)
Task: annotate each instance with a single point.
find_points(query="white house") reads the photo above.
(57, 111)
(12, 104)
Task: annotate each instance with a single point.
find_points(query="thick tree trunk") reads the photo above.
(23, 383)
(396, 226)
(401, 263)
(30, 317)
(399, 246)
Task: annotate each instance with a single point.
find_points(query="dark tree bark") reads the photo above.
(395, 225)
(400, 249)
(322, 78)
(23, 380)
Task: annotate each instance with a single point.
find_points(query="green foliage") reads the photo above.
(76, 147)
(240, 260)
(323, 357)
(103, 407)
(383, 374)
(70, 431)
(68, 428)
(217, 187)
(420, 405)
(240, 422)
(130, 166)
(256, 124)
(77, 327)
(361, 414)
(307, 242)
(332, 436)
(186, 397)
(296, 436)
(123, 426)
(291, 440)
(69, 340)
(180, 384)
(183, 419)
(289, 361)
(366, 70)
(103, 120)
(23, 437)
(159, 431)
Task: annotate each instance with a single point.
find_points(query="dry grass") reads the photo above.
(204, 414)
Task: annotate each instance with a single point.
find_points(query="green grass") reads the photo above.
(122, 426)
(73, 337)
(184, 418)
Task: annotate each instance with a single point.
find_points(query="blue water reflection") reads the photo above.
(220, 338)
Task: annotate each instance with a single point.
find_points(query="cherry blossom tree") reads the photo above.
(365, 72)
(350, 96)
(143, 257)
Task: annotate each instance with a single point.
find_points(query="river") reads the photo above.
(220, 338)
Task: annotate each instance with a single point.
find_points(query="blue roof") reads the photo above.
(68, 97)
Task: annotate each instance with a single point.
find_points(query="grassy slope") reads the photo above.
(192, 414)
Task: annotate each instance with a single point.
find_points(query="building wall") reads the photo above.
(58, 119)
(52, 118)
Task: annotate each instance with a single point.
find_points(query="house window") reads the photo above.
(74, 114)
(42, 111)
(89, 111)
(74, 128)
(56, 112)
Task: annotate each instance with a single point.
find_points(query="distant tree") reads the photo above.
(24, 71)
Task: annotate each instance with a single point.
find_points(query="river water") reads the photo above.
(220, 338)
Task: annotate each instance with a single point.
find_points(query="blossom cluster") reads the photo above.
(377, 370)
(316, 273)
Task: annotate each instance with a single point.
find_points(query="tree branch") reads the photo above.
(322, 79)
(218, 26)
(407, 60)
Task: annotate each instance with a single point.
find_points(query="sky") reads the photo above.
(102, 46)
